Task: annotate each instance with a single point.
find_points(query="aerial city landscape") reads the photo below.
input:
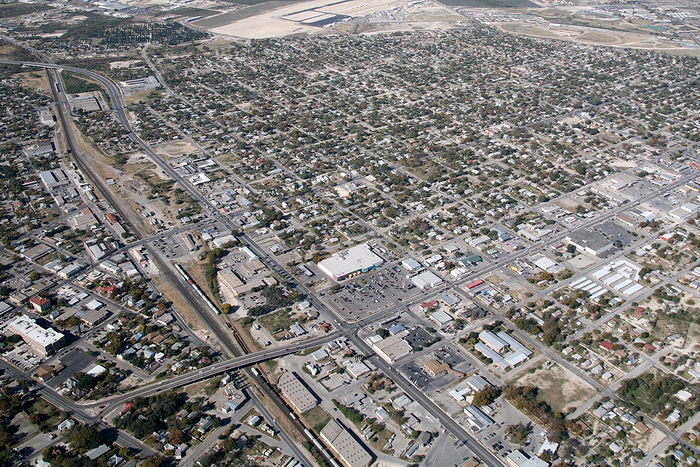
(349, 233)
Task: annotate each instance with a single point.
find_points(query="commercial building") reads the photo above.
(94, 317)
(36, 252)
(472, 384)
(393, 347)
(236, 400)
(220, 242)
(493, 341)
(189, 242)
(40, 304)
(53, 179)
(296, 392)
(356, 369)
(502, 349)
(477, 382)
(441, 318)
(411, 265)
(426, 279)
(520, 459)
(46, 341)
(435, 368)
(83, 220)
(350, 262)
(94, 305)
(477, 419)
(70, 271)
(589, 241)
(344, 444)
(229, 280)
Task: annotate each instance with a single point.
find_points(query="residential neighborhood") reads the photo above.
(349, 233)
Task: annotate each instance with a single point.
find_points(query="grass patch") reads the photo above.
(228, 159)
(317, 418)
(45, 415)
(194, 388)
(380, 439)
(279, 320)
(309, 351)
(75, 85)
(557, 387)
(271, 364)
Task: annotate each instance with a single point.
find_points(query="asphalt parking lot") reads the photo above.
(372, 291)
(171, 247)
(447, 355)
(416, 375)
(74, 361)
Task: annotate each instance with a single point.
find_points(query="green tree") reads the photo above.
(486, 396)
(518, 433)
(153, 461)
(84, 437)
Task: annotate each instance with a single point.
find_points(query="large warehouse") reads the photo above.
(350, 262)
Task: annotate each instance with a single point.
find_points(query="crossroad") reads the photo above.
(90, 412)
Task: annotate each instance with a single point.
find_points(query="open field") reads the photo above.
(176, 149)
(298, 18)
(594, 36)
(317, 417)
(558, 387)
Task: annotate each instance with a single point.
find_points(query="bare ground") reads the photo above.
(558, 387)
(179, 305)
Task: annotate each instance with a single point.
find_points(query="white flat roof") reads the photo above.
(614, 278)
(622, 284)
(632, 289)
(411, 264)
(441, 317)
(426, 279)
(357, 258)
(597, 294)
(28, 328)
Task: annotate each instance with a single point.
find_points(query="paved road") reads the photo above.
(78, 412)
(184, 289)
(107, 404)
(350, 331)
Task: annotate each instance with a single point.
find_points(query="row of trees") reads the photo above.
(524, 398)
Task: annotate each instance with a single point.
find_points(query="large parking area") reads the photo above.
(73, 360)
(24, 356)
(372, 291)
(416, 373)
(171, 247)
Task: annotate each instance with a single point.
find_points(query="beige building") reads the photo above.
(230, 281)
(344, 444)
(296, 392)
(393, 347)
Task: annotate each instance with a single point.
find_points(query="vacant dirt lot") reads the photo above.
(558, 387)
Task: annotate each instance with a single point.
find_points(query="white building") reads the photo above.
(426, 279)
(350, 262)
(46, 341)
(591, 242)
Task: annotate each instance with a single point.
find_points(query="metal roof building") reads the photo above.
(349, 449)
